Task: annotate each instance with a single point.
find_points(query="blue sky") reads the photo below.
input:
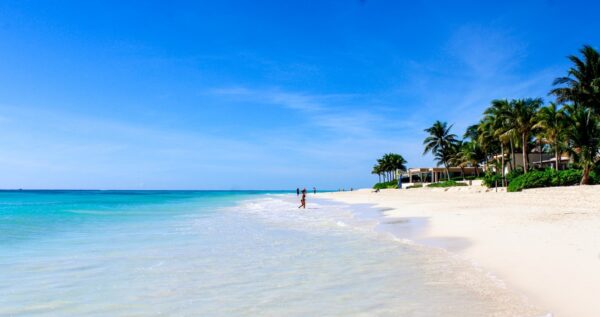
(259, 94)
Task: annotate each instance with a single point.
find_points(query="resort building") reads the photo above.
(435, 174)
(536, 160)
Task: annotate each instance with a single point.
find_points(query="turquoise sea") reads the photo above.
(224, 253)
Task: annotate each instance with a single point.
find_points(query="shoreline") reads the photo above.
(540, 242)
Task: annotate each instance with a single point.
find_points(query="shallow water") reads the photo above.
(224, 254)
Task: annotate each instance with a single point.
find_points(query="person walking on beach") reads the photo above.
(303, 199)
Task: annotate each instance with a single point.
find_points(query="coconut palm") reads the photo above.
(440, 143)
(551, 123)
(383, 164)
(584, 138)
(497, 122)
(471, 134)
(398, 162)
(487, 140)
(470, 154)
(582, 83)
(377, 170)
(387, 165)
(521, 118)
(456, 158)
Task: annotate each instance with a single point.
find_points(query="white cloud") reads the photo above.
(338, 113)
(484, 51)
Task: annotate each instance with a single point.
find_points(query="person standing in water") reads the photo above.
(303, 199)
(297, 191)
(314, 190)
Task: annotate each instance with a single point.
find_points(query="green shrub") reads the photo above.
(549, 177)
(415, 186)
(490, 179)
(532, 179)
(384, 185)
(450, 183)
(567, 177)
(466, 178)
(594, 178)
(513, 174)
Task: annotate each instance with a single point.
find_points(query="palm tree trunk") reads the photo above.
(525, 155)
(502, 153)
(556, 156)
(513, 164)
(540, 154)
(585, 179)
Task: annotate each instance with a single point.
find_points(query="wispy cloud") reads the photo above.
(485, 52)
(343, 114)
(477, 64)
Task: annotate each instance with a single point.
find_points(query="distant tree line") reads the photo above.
(387, 165)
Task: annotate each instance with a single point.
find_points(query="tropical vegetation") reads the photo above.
(525, 136)
(386, 168)
(448, 183)
(547, 178)
(441, 143)
(569, 126)
(386, 185)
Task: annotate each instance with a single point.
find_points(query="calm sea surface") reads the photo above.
(223, 253)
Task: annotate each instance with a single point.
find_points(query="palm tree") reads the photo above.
(456, 158)
(383, 163)
(471, 133)
(440, 143)
(472, 146)
(552, 121)
(486, 140)
(397, 162)
(377, 170)
(387, 166)
(582, 83)
(522, 117)
(497, 122)
(583, 135)
(470, 154)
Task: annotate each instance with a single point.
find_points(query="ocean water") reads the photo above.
(224, 253)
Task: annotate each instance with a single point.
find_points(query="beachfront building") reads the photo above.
(535, 159)
(435, 174)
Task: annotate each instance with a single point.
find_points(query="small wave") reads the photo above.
(404, 241)
(283, 210)
(91, 212)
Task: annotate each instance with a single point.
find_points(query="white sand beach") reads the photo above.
(544, 243)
